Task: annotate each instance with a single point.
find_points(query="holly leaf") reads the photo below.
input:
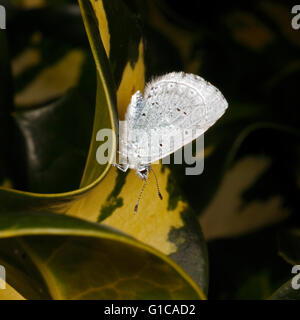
(75, 259)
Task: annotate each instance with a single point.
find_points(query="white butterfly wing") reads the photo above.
(177, 108)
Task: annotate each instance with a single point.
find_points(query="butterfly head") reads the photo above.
(143, 172)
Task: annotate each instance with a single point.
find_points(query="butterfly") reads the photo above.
(171, 107)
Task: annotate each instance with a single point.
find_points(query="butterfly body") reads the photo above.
(142, 171)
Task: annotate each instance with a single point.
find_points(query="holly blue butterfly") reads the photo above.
(171, 107)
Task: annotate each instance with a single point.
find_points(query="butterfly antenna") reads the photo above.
(140, 195)
(157, 185)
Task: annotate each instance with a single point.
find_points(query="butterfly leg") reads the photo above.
(122, 167)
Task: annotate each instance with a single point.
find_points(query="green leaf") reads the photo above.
(105, 115)
(66, 124)
(21, 273)
(286, 292)
(6, 103)
(191, 252)
(289, 245)
(80, 260)
(54, 139)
